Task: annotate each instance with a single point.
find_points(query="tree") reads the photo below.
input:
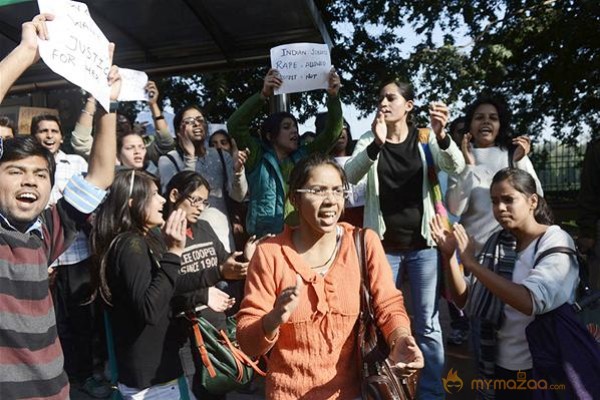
(542, 56)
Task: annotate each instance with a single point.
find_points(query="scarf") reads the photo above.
(499, 255)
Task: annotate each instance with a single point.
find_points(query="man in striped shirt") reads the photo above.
(32, 237)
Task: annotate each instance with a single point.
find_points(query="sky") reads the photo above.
(358, 125)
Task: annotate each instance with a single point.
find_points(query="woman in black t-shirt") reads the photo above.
(397, 160)
(136, 278)
(188, 191)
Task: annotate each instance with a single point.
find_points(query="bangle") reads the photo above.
(83, 110)
(159, 117)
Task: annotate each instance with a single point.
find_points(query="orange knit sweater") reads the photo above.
(314, 355)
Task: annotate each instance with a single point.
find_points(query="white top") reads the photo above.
(551, 284)
(356, 195)
(468, 194)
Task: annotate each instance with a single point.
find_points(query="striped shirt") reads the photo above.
(31, 359)
(67, 166)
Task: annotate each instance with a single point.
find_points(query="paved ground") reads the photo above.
(457, 358)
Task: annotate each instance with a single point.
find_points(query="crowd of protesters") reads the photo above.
(103, 251)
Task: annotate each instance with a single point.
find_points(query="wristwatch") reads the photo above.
(114, 106)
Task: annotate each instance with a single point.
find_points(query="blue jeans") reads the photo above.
(423, 270)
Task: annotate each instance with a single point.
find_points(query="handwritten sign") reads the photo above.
(303, 66)
(133, 85)
(77, 49)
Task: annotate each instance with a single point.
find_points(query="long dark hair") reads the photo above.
(116, 219)
(523, 182)
(179, 117)
(503, 140)
(272, 125)
(406, 90)
(186, 183)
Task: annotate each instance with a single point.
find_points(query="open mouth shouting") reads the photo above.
(486, 131)
(198, 132)
(51, 144)
(328, 217)
(27, 199)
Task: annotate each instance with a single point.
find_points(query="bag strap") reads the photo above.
(366, 309)
(583, 273)
(241, 358)
(225, 177)
(170, 157)
(202, 347)
(238, 355)
(238, 364)
(552, 250)
(586, 296)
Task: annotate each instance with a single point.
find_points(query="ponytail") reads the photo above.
(542, 213)
(524, 183)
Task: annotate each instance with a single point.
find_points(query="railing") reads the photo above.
(559, 168)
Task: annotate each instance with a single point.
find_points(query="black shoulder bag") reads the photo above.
(378, 380)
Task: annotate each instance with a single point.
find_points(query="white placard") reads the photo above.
(76, 49)
(133, 85)
(303, 66)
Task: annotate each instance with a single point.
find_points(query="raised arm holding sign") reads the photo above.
(76, 48)
(34, 235)
(25, 54)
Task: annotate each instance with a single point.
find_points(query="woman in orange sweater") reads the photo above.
(303, 296)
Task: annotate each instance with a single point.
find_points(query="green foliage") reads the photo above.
(543, 56)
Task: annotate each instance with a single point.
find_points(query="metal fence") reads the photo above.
(558, 166)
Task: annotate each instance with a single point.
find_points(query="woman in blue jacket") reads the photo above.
(272, 157)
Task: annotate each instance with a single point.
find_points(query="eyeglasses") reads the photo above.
(193, 120)
(197, 201)
(338, 192)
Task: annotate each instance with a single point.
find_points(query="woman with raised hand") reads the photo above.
(136, 275)
(189, 191)
(156, 145)
(488, 147)
(302, 297)
(399, 163)
(509, 284)
(272, 157)
(224, 173)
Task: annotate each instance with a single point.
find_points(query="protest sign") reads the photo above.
(76, 49)
(133, 85)
(302, 66)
